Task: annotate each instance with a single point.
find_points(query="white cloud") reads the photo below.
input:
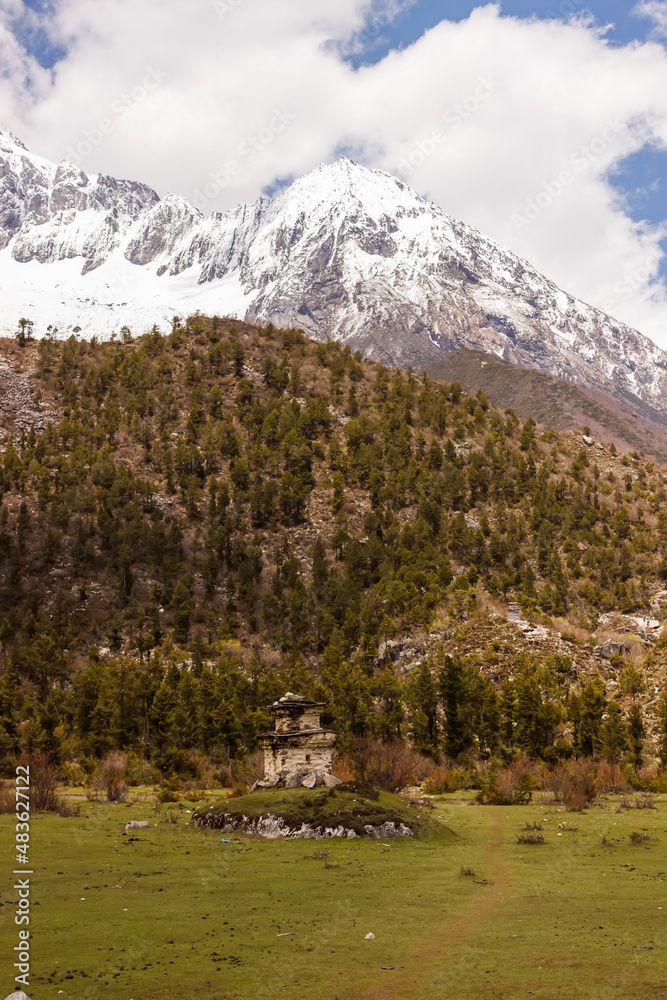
(656, 10)
(182, 85)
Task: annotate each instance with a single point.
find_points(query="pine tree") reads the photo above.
(637, 734)
(338, 498)
(614, 734)
(586, 712)
(422, 697)
(508, 708)
(320, 568)
(452, 692)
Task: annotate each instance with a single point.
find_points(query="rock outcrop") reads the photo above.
(276, 827)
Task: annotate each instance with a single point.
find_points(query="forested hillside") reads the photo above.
(193, 523)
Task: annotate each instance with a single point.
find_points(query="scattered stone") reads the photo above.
(370, 937)
(659, 600)
(136, 824)
(18, 405)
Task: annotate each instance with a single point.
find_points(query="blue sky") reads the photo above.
(36, 39)
(426, 14)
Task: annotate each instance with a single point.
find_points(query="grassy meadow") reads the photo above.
(170, 911)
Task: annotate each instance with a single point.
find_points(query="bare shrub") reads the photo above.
(510, 786)
(640, 837)
(110, 776)
(238, 791)
(244, 773)
(533, 824)
(7, 797)
(391, 766)
(44, 787)
(641, 802)
(574, 784)
(446, 779)
(466, 872)
(530, 837)
(343, 770)
(610, 780)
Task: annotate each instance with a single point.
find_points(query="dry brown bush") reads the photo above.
(641, 802)
(391, 766)
(445, 779)
(248, 770)
(575, 783)
(109, 777)
(610, 780)
(7, 797)
(44, 787)
(511, 785)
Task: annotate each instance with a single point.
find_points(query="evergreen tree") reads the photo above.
(422, 697)
(637, 734)
(452, 692)
(614, 734)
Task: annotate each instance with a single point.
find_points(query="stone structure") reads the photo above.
(298, 751)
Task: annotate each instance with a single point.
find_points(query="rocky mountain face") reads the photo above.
(50, 213)
(346, 253)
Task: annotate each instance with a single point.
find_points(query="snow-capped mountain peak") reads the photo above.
(345, 252)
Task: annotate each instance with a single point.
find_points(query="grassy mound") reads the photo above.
(323, 808)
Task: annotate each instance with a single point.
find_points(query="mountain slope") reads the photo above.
(262, 513)
(553, 402)
(345, 253)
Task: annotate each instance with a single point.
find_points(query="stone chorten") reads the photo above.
(298, 751)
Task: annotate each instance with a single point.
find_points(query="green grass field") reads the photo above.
(171, 912)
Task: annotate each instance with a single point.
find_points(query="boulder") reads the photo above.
(293, 780)
(266, 782)
(608, 649)
(137, 824)
(587, 440)
(18, 996)
(310, 780)
(389, 651)
(330, 780)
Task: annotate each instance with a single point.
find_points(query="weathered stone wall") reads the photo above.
(312, 753)
(292, 722)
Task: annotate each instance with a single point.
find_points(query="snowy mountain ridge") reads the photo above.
(346, 252)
